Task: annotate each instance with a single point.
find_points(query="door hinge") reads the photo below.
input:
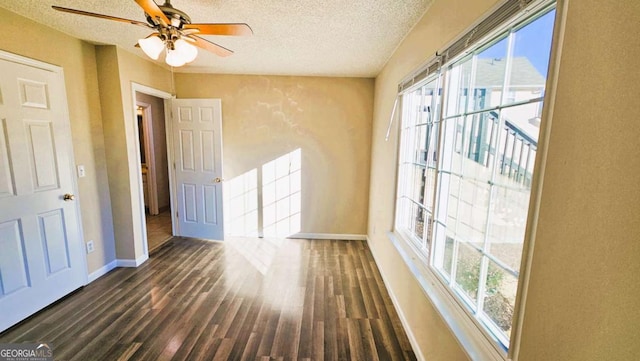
(177, 215)
(174, 165)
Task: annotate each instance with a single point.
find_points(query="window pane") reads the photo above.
(500, 297)
(451, 146)
(468, 271)
(430, 182)
(416, 223)
(451, 203)
(473, 203)
(417, 186)
(423, 132)
(448, 255)
(508, 221)
(489, 76)
(459, 84)
(479, 135)
(530, 64)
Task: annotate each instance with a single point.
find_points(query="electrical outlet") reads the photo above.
(90, 247)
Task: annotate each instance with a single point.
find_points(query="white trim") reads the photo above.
(132, 262)
(342, 237)
(150, 157)
(102, 271)
(19, 59)
(396, 305)
(470, 336)
(140, 219)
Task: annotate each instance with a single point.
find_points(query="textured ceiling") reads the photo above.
(291, 37)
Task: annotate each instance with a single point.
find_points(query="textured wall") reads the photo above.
(78, 59)
(329, 119)
(584, 293)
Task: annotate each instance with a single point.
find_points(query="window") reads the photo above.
(466, 164)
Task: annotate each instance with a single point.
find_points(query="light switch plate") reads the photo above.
(81, 172)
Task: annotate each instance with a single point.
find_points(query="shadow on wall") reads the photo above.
(266, 201)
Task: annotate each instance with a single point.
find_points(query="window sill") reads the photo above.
(472, 339)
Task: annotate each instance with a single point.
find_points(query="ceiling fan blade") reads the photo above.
(212, 47)
(221, 29)
(150, 7)
(101, 16)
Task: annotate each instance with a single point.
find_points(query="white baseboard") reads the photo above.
(101, 271)
(403, 319)
(342, 237)
(132, 262)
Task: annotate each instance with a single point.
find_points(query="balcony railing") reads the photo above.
(518, 154)
(516, 148)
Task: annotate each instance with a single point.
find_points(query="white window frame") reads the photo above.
(477, 342)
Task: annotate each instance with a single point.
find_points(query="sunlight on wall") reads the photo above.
(241, 201)
(281, 192)
(273, 210)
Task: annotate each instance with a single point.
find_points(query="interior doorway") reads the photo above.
(154, 166)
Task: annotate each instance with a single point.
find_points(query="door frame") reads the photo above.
(66, 143)
(150, 157)
(141, 218)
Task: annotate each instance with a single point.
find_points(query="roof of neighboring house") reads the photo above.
(491, 73)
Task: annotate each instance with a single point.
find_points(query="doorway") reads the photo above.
(154, 166)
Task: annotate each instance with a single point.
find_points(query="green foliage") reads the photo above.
(496, 306)
(468, 276)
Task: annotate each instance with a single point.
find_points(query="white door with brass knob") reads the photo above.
(197, 144)
(41, 248)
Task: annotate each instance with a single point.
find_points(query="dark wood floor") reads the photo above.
(245, 299)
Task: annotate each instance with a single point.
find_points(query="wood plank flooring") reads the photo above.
(244, 299)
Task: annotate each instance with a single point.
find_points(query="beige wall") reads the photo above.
(584, 291)
(78, 59)
(117, 70)
(159, 147)
(329, 119)
(583, 294)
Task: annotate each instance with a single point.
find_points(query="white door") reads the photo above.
(197, 141)
(41, 257)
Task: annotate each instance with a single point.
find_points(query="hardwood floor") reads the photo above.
(244, 299)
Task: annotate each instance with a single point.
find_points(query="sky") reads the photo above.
(532, 41)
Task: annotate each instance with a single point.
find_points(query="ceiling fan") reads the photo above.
(174, 32)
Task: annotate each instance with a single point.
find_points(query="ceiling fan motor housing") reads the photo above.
(171, 13)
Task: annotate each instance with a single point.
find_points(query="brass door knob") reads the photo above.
(217, 180)
(68, 197)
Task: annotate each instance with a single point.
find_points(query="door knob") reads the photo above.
(68, 197)
(217, 180)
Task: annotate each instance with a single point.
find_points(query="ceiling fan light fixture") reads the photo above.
(187, 51)
(152, 46)
(174, 58)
